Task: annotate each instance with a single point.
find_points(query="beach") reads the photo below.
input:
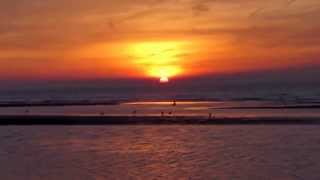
(135, 140)
(159, 90)
(152, 120)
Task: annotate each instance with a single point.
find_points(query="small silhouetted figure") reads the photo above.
(174, 103)
(170, 113)
(162, 113)
(134, 113)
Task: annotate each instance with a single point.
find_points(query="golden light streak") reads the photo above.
(159, 59)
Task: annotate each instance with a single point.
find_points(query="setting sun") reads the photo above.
(164, 72)
(164, 80)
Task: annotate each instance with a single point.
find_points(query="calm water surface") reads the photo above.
(159, 152)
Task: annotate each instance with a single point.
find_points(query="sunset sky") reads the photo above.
(84, 39)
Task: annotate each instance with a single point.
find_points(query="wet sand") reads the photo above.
(150, 120)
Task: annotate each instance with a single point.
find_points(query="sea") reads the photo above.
(160, 152)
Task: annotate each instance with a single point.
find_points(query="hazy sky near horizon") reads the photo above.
(58, 39)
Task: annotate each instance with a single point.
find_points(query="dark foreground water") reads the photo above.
(159, 152)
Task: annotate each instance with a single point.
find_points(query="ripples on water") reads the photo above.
(159, 152)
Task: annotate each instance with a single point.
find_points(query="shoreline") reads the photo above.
(62, 103)
(150, 120)
(58, 103)
(273, 107)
